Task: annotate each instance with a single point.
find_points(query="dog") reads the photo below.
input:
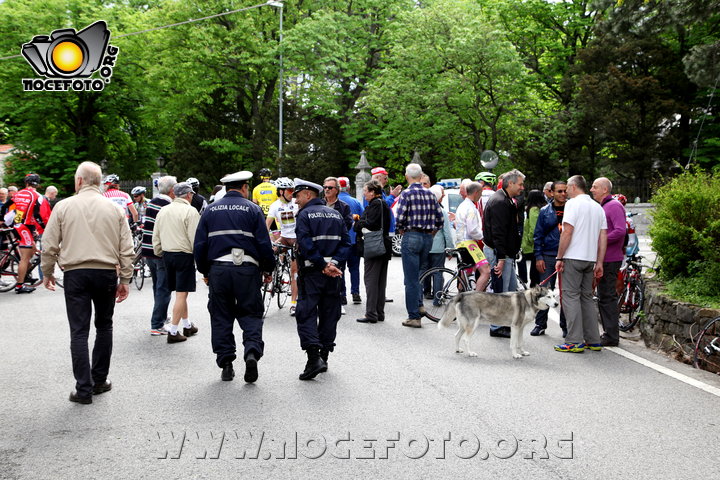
(513, 309)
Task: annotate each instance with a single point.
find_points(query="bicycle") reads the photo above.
(447, 283)
(279, 286)
(707, 347)
(632, 296)
(10, 261)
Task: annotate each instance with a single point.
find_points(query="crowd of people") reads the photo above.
(569, 231)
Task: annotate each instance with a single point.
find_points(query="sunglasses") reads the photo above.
(328, 187)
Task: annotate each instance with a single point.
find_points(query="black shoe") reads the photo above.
(251, 371)
(314, 365)
(324, 354)
(99, 388)
(228, 373)
(537, 331)
(607, 343)
(24, 289)
(343, 300)
(365, 320)
(356, 298)
(428, 296)
(502, 332)
(388, 300)
(83, 400)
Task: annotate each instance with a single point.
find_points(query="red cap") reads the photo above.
(377, 170)
(344, 182)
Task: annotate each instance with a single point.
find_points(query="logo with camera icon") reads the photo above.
(67, 59)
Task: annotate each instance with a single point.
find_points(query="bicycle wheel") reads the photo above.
(283, 289)
(630, 303)
(267, 294)
(8, 272)
(449, 283)
(707, 347)
(139, 273)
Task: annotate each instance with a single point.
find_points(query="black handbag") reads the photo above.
(373, 240)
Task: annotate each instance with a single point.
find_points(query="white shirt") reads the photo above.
(468, 224)
(284, 214)
(587, 218)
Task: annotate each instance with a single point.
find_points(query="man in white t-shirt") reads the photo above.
(283, 211)
(469, 234)
(580, 258)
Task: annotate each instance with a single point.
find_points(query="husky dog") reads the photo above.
(513, 309)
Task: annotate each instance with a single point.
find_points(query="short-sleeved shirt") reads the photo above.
(119, 198)
(587, 218)
(265, 194)
(284, 214)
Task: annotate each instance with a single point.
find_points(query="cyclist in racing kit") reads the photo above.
(122, 199)
(198, 201)
(283, 211)
(138, 194)
(30, 218)
(487, 180)
(264, 194)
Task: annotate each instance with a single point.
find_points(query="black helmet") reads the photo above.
(265, 172)
(32, 179)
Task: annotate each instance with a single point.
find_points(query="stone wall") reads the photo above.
(669, 324)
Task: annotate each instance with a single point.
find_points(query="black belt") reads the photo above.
(231, 264)
(419, 230)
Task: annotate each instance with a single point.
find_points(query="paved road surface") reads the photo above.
(396, 403)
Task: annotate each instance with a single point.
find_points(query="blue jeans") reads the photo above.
(507, 282)
(542, 315)
(415, 249)
(161, 292)
(353, 265)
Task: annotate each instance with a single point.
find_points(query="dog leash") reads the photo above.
(548, 278)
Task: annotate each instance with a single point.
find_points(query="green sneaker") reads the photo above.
(570, 347)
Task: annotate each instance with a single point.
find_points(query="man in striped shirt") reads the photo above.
(419, 216)
(161, 290)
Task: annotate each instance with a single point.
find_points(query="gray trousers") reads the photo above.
(607, 301)
(577, 302)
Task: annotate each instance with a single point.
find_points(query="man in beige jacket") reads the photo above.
(173, 238)
(88, 236)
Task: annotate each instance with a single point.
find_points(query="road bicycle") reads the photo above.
(632, 294)
(707, 347)
(10, 261)
(140, 269)
(279, 286)
(446, 284)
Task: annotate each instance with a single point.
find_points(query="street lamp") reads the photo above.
(280, 5)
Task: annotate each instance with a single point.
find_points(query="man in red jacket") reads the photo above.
(30, 218)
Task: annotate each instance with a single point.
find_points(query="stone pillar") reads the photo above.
(362, 177)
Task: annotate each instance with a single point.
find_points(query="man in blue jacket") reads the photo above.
(353, 262)
(547, 239)
(322, 243)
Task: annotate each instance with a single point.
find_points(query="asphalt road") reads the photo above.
(395, 403)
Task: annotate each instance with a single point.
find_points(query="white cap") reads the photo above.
(241, 176)
(301, 185)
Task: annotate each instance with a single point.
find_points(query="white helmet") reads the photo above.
(284, 182)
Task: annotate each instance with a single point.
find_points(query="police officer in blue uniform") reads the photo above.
(323, 243)
(233, 251)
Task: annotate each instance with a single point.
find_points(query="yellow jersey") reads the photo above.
(264, 195)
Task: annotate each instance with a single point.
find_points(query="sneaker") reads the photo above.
(189, 332)
(177, 338)
(356, 298)
(570, 347)
(292, 311)
(595, 347)
(24, 289)
(537, 331)
(412, 323)
(159, 331)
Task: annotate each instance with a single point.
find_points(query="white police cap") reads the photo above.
(241, 176)
(301, 185)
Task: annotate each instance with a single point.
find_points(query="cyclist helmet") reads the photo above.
(32, 179)
(138, 191)
(486, 177)
(283, 183)
(112, 179)
(620, 198)
(194, 183)
(265, 173)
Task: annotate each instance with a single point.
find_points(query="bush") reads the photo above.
(686, 231)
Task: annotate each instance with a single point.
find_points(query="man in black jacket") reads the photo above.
(501, 235)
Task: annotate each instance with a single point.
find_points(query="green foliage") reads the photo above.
(686, 231)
